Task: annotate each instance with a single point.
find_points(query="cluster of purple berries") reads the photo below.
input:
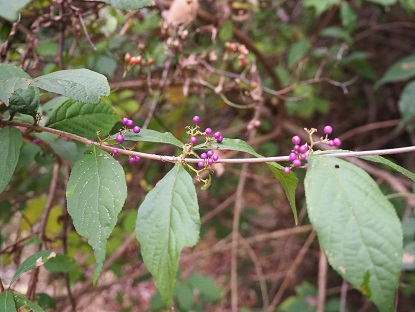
(208, 131)
(208, 158)
(299, 153)
(128, 123)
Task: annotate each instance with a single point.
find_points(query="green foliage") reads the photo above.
(23, 304)
(60, 263)
(402, 70)
(406, 102)
(357, 227)
(128, 4)
(25, 102)
(11, 80)
(10, 9)
(387, 162)
(83, 119)
(7, 303)
(10, 143)
(320, 6)
(167, 221)
(35, 260)
(95, 195)
(148, 135)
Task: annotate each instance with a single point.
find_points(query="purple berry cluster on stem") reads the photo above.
(207, 158)
(194, 131)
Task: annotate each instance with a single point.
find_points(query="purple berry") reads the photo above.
(137, 158)
(303, 149)
(296, 148)
(296, 139)
(328, 129)
(193, 140)
(201, 164)
(196, 119)
(115, 151)
(220, 139)
(210, 161)
(287, 169)
(203, 156)
(124, 120)
(129, 123)
(215, 157)
(36, 141)
(331, 143)
(337, 142)
(293, 156)
(217, 135)
(297, 163)
(119, 138)
(209, 153)
(131, 160)
(136, 129)
(306, 166)
(303, 156)
(208, 131)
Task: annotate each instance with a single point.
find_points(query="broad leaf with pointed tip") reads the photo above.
(12, 78)
(10, 144)
(82, 85)
(25, 101)
(148, 135)
(7, 302)
(95, 194)
(168, 220)
(83, 119)
(357, 227)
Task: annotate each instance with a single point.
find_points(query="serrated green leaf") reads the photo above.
(357, 227)
(83, 119)
(288, 181)
(10, 9)
(406, 102)
(25, 101)
(95, 194)
(12, 78)
(319, 5)
(82, 85)
(128, 4)
(10, 144)
(297, 51)
(387, 162)
(402, 70)
(21, 302)
(168, 220)
(147, 135)
(7, 302)
(61, 263)
(32, 262)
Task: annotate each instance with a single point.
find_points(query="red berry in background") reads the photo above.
(244, 63)
(296, 139)
(328, 129)
(138, 60)
(132, 61)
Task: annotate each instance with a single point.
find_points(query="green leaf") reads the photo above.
(209, 291)
(128, 4)
(11, 80)
(226, 32)
(61, 263)
(147, 135)
(336, 32)
(383, 2)
(79, 84)
(387, 162)
(297, 52)
(406, 102)
(25, 101)
(402, 70)
(95, 194)
(32, 262)
(348, 16)
(167, 221)
(10, 144)
(184, 296)
(357, 227)
(288, 181)
(21, 302)
(320, 6)
(83, 119)
(7, 302)
(10, 9)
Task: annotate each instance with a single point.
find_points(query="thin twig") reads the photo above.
(343, 296)
(322, 282)
(291, 271)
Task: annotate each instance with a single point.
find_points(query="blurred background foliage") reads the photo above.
(307, 62)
